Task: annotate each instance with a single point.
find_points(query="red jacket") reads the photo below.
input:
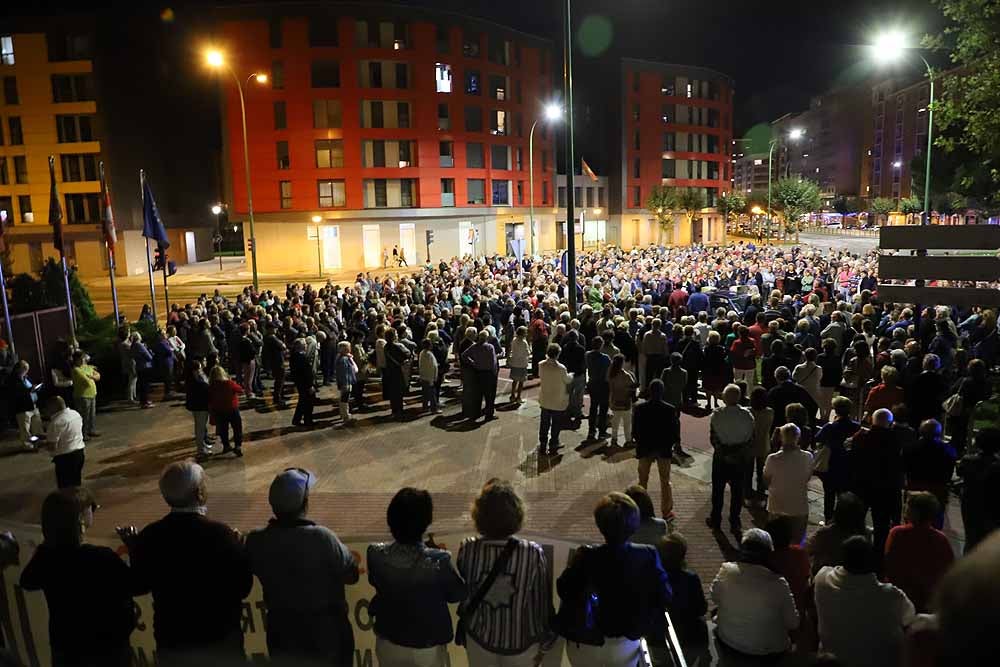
(744, 354)
(224, 397)
(916, 557)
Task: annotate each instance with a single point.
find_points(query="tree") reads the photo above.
(49, 291)
(796, 198)
(665, 201)
(730, 203)
(910, 205)
(882, 206)
(840, 205)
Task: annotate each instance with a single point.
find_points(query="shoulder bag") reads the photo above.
(465, 613)
(577, 618)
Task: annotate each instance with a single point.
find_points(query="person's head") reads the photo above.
(409, 514)
(553, 351)
(79, 357)
(343, 347)
(184, 485)
(790, 436)
(673, 551)
(781, 530)
(656, 390)
(617, 364)
(219, 374)
(731, 395)
(977, 369)
(829, 346)
(55, 404)
(289, 493)
(858, 555)
(676, 358)
(758, 398)
(756, 546)
(922, 508)
(930, 429)
(66, 516)
(617, 517)
(931, 362)
(641, 498)
(842, 406)
(890, 375)
(967, 603)
(849, 513)
(796, 413)
(714, 338)
(882, 418)
(498, 512)
(597, 343)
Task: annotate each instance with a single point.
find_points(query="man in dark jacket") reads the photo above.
(926, 393)
(877, 474)
(304, 379)
(273, 359)
(598, 364)
(656, 428)
(573, 357)
(197, 571)
(929, 463)
(785, 392)
(196, 402)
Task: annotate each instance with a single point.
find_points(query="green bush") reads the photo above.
(49, 291)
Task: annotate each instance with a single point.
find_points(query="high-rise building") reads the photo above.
(676, 131)
(899, 133)
(750, 173)
(383, 125)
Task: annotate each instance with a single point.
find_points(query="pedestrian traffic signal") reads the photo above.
(159, 257)
(249, 245)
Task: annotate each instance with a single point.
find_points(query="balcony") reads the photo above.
(447, 198)
(444, 123)
(446, 161)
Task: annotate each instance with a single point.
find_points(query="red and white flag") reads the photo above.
(587, 170)
(107, 217)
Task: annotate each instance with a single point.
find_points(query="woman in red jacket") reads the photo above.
(224, 407)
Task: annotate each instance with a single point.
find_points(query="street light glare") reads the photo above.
(889, 46)
(261, 77)
(215, 58)
(796, 133)
(216, 210)
(897, 164)
(552, 112)
(317, 219)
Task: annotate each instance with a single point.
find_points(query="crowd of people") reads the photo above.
(800, 368)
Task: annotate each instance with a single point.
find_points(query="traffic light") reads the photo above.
(171, 267)
(430, 236)
(249, 245)
(159, 257)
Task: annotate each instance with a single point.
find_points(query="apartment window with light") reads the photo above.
(20, 169)
(498, 122)
(6, 50)
(274, 32)
(281, 148)
(498, 88)
(277, 75)
(325, 74)
(474, 156)
(24, 206)
(285, 193)
(447, 192)
(331, 193)
(473, 119)
(76, 168)
(405, 155)
(442, 77)
(329, 153)
(327, 113)
(475, 190)
(280, 116)
(444, 118)
(501, 193)
(472, 82)
(15, 131)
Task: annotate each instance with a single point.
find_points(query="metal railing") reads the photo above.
(837, 231)
(673, 646)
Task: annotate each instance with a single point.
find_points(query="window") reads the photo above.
(72, 88)
(329, 153)
(331, 193)
(407, 187)
(498, 88)
(446, 152)
(667, 113)
(20, 169)
(83, 208)
(281, 148)
(474, 156)
(10, 90)
(499, 50)
(635, 139)
(62, 46)
(498, 122)
(667, 87)
(447, 192)
(77, 168)
(442, 40)
(475, 191)
(636, 197)
(277, 75)
(326, 113)
(600, 196)
(6, 50)
(561, 194)
(545, 193)
(405, 155)
(520, 193)
(285, 193)
(381, 193)
(590, 197)
(15, 132)
(473, 119)
(545, 161)
(689, 92)
(377, 114)
(4, 178)
(669, 169)
(470, 44)
(500, 157)
(444, 120)
(501, 193)
(472, 82)
(517, 91)
(325, 74)
(402, 75)
(322, 32)
(377, 154)
(578, 197)
(280, 117)
(636, 168)
(519, 159)
(274, 32)
(442, 76)
(669, 141)
(24, 206)
(403, 114)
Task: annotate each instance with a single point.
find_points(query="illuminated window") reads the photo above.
(443, 78)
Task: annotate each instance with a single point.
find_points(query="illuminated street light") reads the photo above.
(796, 133)
(897, 164)
(597, 211)
(261, 77)
(551, 113)
(889, 46)
(215, 58)
(756, 210)
(216, 209)
(316, 219)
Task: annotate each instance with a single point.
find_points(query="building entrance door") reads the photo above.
(408, 242)
(330, 236)
(372, 241)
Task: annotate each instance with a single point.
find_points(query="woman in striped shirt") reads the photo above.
(507, 628)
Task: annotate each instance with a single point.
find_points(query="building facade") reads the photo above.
(380, 124)
(676, 131)
(750, 172)
(899, 133)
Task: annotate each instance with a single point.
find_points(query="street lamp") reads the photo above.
(319, 248)
(217, 212)
(217, 60)
(794, 134)
(550, 114)
(889, 47)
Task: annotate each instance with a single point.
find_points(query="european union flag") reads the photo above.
(152, 224)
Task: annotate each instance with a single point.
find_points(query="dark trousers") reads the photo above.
(551, 420)
(754, 465)
(278, 372)
(537, 356)
(886, 506)
(472, 397)
(142, 375)
(830, 492)
(304, 408)
(69, 469)
(724, 473)
(487, 384)
(655, 363)
(597, 419)
(396, 401)
(691, 388)
(298, 639)
(222, 424)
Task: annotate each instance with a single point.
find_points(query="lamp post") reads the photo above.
(217, 241)
(319, 247)
(795, 134)
(552, 113)
(217, 60)
(888, 48)
(896, 166)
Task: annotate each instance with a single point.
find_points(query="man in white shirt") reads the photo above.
(861, 621)
(731, 433)
(553, 398)
(756, 607)
(64, 439)
(787, 474)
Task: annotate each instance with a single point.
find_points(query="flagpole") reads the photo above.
(111, 251)
(6, 310)
(62, 259)
(166, 294)
(149, 259)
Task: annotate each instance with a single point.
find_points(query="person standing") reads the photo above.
(85, 379)
(675, 379)
(573, 357)
(553, 399)
(980, 472)
(224, 407)
(304, 377)
(763, 420)
(303, 569)
(347, 377)
(517, 363)
(273, 357)
(482, 358)
(65, 442)
(197, 571)
(787, 473)
(23, 402)
(397, 357)
(653, 351)
(621, 388)
(428, 371)
(877, 474)
(143, 367)
(657, 429)
(598, 365)
(743, 353)
(916, 553)
(196, 402)
(833, 462)
(731, 435)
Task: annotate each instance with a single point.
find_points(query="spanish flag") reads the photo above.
(587, 170)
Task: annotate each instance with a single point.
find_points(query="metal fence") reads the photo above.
(836, 231)
(37, 336)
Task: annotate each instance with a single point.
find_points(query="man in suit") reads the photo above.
(785, 392)
(656, 428)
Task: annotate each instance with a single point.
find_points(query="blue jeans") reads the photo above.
(551, 419)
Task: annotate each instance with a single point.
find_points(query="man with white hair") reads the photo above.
(877, 473)
(787, 473)
(197, 571)
(731, 434)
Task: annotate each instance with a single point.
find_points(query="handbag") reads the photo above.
(577, 619)
(467, 612)
(821, 460)
(954, 405)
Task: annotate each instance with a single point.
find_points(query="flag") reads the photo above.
(588, 171)
(152, 224)
(4, 214)
(107, 217)
(55, 210)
